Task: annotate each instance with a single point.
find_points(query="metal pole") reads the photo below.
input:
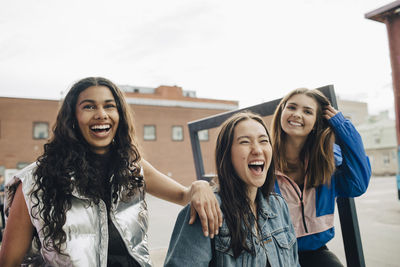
(393, 29)
(390, 15)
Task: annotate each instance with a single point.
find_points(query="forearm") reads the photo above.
(353, 175)
(162, 186)
(347, 137)
(200, 194)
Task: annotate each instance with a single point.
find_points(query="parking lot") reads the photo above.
(378, 215)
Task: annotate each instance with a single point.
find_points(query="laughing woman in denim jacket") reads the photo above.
(256, 228)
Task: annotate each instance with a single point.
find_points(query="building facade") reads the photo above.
(355, 111)
(161, 116)
(378, 133)
(379, 137)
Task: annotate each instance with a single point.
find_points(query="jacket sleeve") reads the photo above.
(188, 246)
(353, 170)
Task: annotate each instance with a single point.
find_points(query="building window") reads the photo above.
(203, 135)
(40, 130)
(149, 132)
(376, 137)
(386, 159)
(177, 133)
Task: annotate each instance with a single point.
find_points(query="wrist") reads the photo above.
(195, 187)
(198, 185)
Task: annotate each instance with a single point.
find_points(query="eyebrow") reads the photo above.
(295, 104)
(92, 101)
(246, 136)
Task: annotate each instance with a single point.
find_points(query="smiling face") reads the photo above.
(299, 116)
(251, 153)
(97, 116)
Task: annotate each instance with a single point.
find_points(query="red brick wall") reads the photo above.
(175, 157)
(16, 128)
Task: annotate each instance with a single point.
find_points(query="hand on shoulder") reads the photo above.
(204, 203)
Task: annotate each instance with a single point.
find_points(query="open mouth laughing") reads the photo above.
(100, 129)
(295, 123)
(256, 166)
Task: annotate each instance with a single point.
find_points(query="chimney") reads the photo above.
(169, 91)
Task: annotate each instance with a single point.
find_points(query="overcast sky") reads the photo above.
(250, 51)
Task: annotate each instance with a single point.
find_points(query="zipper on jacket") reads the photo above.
(301, 202)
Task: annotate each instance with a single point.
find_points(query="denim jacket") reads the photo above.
(277, 245)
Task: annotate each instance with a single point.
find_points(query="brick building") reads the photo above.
(161, 116)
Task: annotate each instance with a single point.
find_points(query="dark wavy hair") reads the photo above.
(233, 191)
(316, 155)
(67, 155)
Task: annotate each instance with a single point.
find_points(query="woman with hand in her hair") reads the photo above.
(82, 203)
(312, 171)
(256, 229)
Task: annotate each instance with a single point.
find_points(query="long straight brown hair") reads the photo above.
(316, 155)
(233, 191)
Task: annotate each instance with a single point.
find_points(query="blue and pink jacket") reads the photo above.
(312, 209)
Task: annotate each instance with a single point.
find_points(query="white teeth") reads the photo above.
(295, 123)
(100, 127)
(256, 163)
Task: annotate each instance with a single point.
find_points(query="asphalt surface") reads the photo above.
(378, 213)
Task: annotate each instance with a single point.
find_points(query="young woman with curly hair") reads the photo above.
(256, 230)
(312, 171)
(82, 203)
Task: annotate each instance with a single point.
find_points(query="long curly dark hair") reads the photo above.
(67, 155)
(235, 203)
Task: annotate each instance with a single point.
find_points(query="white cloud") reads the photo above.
(249, 51)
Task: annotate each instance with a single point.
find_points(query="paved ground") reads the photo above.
(378, 215)
(379, 220)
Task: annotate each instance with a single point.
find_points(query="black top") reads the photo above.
(117, 252)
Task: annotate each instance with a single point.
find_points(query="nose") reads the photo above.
(256, 149)
(101, 114)
(296, 114)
